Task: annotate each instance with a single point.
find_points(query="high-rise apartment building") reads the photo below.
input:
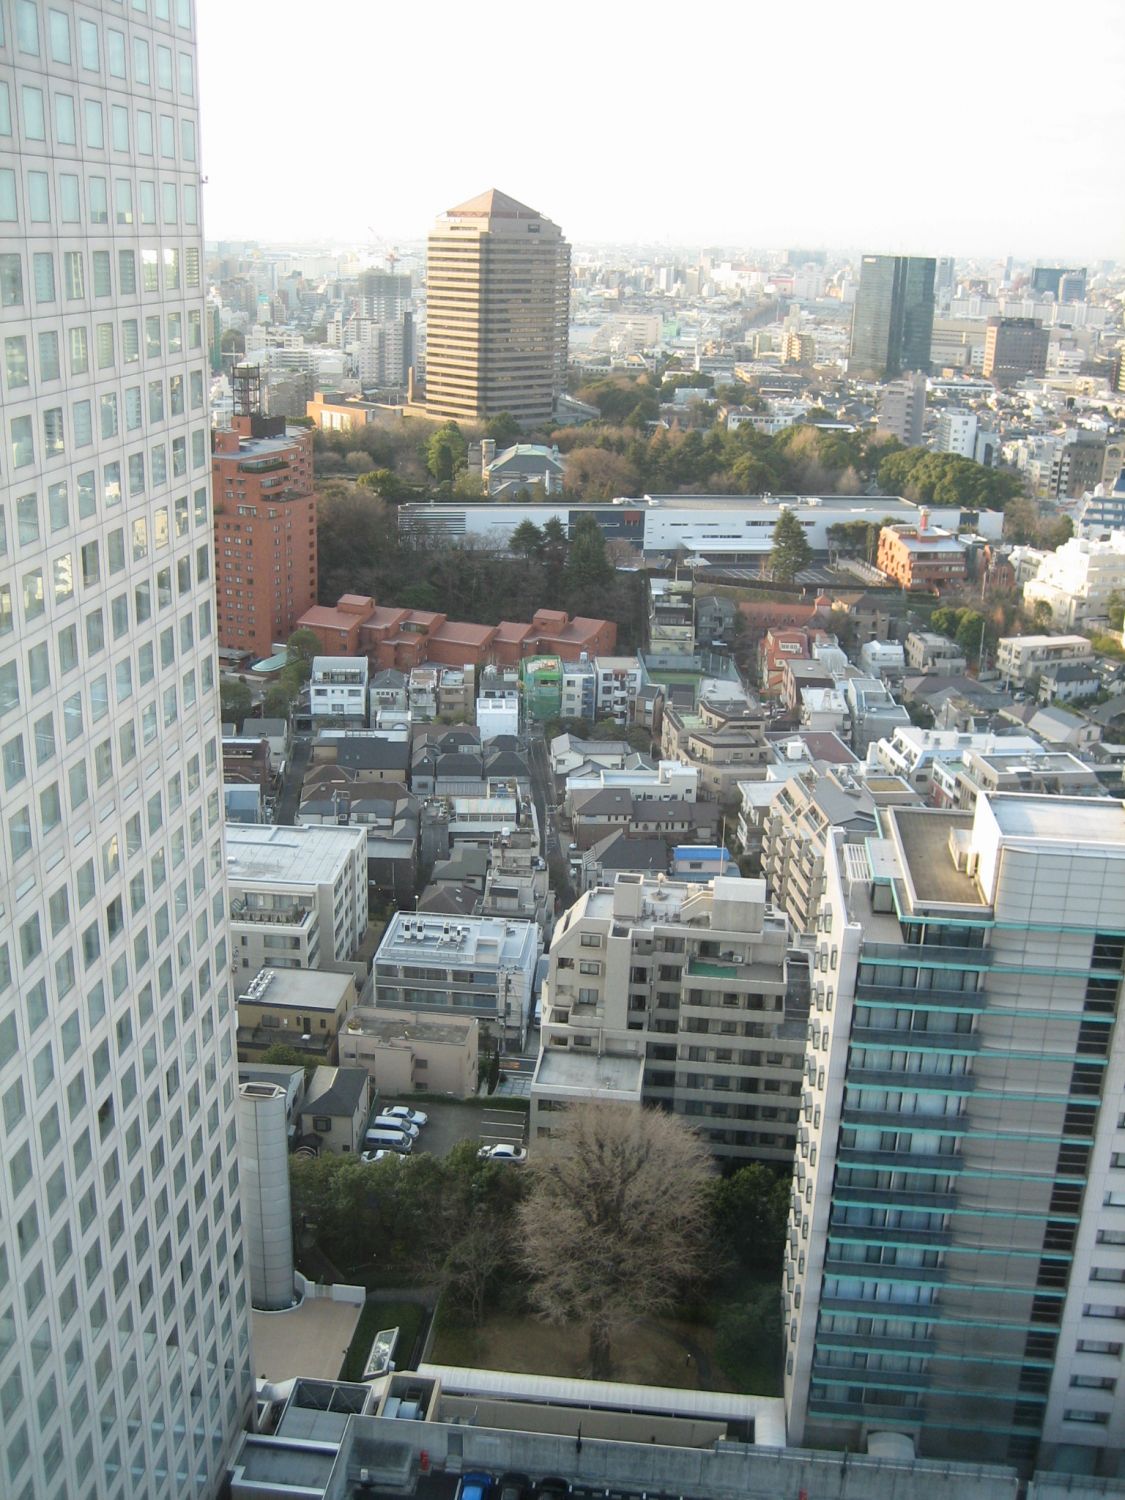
(497, 312)
(1015, 349)
(893, 317)
(686, 996)
(902, 409)
(956, 1244)
(265, 531)
(124, 1342)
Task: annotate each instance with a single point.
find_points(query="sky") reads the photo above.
(973, 129)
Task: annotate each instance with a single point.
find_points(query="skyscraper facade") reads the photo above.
(893, 317)
(956, 1248)
(497, 312)
(124, 1342)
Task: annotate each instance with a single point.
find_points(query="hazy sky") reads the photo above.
(962, 128)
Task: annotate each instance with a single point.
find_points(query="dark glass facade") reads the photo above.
(893, 319)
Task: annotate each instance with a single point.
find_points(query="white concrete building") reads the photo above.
(959, 1182)
(914, 753)
(883, 658)
(618, 682)
(956, 432)
(1021, 657)
(298, 896)
(1076, 581)
(667, 781)
(465, 966)
(338, 690)
(927, 651)
(498, 713)
(125, 1365)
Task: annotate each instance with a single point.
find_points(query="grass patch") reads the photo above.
(746, 1317)
(407, 1317)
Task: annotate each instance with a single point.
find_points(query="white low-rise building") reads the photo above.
(882, 658)
(338, 690)
(298, 896)
(465, 966)
(927, 651)
(1021, 657)
(498, 713)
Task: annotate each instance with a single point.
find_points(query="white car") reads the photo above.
(394, 1122)
(371, 1156)
(505, 1151)
(411, 1116)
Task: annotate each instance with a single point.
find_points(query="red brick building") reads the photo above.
(265, 531)
(921, 557)
(404, 638)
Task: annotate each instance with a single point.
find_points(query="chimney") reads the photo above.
(923, 521)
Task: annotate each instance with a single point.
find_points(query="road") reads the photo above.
(290, 798)
(543, 795)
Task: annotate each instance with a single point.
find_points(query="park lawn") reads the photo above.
(651, 1352)
(407, 1317)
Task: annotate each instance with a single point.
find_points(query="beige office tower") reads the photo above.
(125, 1370)
(498, 277)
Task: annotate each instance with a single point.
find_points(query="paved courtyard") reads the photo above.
(308, 1340)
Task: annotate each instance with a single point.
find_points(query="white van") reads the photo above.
(385, 1139)
(395, 1122)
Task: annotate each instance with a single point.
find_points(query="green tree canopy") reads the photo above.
(235, 701)
(526, 540)
(587, 568)
(790, 551)
(446, 452)
(504, 430)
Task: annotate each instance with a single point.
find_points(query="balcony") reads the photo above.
(890, 1078)
(928, 955)
(904, 995)
(916, 1041)
(904, 1161)
(276, 916)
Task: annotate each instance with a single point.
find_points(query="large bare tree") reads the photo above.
(614, 1223)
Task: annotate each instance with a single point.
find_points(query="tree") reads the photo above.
(504, 430)
(282, 1056)
(235, 701)
(750, 1209)
(526, 540)
(446, 452)
(615, 1220)
(790, 551)
(588, 572)
(300, 649)
(277, 701)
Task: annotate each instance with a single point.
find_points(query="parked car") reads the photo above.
(505, 1151)
(394, 1122)
(388, 1140)
(401, 1112)
(551, 1488)
(513, 1487)
(380, 1155)
(475, 1486)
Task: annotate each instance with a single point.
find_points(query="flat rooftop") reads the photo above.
(306, 1342)
(563, 1068)
(922, 836)
(389, 1027)
(301, 989)
(1070, 820)
(305, 854)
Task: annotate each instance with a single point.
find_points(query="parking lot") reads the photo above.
(450, 1123)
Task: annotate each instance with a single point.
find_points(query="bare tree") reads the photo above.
(614, 1223)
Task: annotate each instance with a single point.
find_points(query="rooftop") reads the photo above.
(308, 1340)
(299, 989)
(272, 855)
(388, 1026)
(586, 1072)
(922, 836)
(1068, 820)
(467, 942)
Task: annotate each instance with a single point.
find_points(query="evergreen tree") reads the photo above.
(587, 569)
(790, 551)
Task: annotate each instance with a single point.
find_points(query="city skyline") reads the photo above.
(906, 187)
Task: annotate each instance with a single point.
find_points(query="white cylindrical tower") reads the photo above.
(264, 1157)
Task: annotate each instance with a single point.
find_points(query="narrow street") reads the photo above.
(289, 800)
